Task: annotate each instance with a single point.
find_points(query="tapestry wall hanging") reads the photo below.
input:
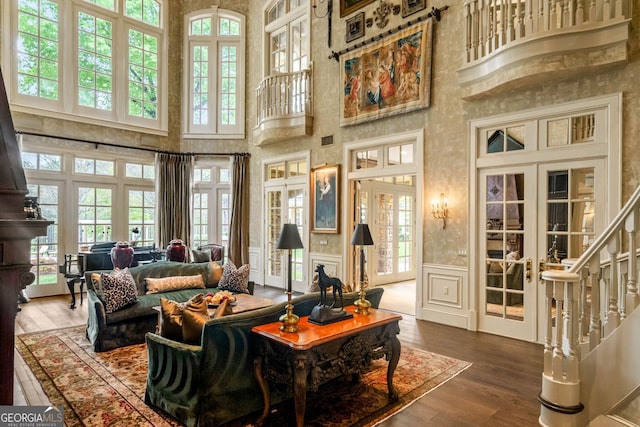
(389, 76)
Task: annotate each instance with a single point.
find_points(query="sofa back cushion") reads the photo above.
(211, 272)
(173, 283)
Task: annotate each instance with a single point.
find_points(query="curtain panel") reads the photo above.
(174, 183)
(239, 222)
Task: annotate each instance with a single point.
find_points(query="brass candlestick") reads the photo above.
(288, 319)
(289, 239)
(362, 236)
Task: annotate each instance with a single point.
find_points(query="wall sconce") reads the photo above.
(440, 210)
(328, 14)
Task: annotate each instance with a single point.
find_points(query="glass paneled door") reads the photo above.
(392, 222)
(285, 204)
(532, 218)
(507, 249)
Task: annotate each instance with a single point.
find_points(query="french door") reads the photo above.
(532, 218)
(285, 204)
(390, 212)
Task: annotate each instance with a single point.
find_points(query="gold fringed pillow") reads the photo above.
(165, 284)
(192, 324)
(172, 314)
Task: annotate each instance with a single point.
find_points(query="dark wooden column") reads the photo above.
(16, 233)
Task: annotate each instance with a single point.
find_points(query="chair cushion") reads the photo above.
(201, 256)
(192, 324)
(235, 279)
(173, 283)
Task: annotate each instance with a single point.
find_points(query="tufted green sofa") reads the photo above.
(128, 326)
(213, 383)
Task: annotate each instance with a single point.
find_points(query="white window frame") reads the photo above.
(292, 16)
(214, 190)
(215, 42)
(67, 107)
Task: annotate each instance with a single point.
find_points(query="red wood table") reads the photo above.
(316, 354)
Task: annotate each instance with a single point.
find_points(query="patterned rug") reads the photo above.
(100, 389)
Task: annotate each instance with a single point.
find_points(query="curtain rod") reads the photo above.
(435, 13)
(108, 144)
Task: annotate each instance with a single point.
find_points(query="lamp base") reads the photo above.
(289, 320)
(323, 315)
(362, 305)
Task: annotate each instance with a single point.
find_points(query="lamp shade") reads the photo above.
(361, 235)
(289, 237)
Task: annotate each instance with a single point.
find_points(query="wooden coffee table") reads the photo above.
(317, 354)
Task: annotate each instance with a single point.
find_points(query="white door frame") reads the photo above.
(608, 146)
(415, 137)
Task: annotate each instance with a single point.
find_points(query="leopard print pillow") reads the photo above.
(235, 279)
(118, 291)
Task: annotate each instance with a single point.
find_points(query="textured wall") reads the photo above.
(446, 162)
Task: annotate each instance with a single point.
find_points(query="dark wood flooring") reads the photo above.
(499, 389)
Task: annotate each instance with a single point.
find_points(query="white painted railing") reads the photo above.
(491, 25)
(584, 305)
(284, 95)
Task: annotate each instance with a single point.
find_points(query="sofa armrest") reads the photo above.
(173, 377)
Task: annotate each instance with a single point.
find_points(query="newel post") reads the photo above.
(560, 395)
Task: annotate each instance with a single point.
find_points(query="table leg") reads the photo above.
(393, 362)
(71, 285)
(300, 387)
(264, 387)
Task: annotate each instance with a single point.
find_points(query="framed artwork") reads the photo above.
(389, 76)
(325, 215)
(355, 27)
(349, 6)
(409, 7)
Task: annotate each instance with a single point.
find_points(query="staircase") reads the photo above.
(590, 344)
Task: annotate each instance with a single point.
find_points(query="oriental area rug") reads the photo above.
(100, 389)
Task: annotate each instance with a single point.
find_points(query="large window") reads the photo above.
(115, 48)
(92, 197)
(287, 32)
(214, 74)
(211, 204)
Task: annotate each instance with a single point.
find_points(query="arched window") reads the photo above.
(214, 74)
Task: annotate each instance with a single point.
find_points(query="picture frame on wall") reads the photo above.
(355, 27)
(325, 194)
(409, 7)
(349, 6)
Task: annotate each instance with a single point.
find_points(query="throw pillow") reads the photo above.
(172, 312)
(192, 324)
(119, 290)
(201, 256)
(215, 274)
(235, 279)
(174, 283)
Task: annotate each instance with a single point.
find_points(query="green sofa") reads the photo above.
(129, 325)
(213, 383)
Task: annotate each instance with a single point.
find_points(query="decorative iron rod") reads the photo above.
(433, 13)
(108, 144)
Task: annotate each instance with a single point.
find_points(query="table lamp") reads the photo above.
(289, 240)
(362, 236)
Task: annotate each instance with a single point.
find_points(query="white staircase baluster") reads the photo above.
(613, 315)
(595, 332)
(631, 296)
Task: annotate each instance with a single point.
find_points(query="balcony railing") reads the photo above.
(502, 33)
(284, 101)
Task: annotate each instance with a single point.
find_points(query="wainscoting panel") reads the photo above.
(256, 273)
(443, 297)
(332, 265)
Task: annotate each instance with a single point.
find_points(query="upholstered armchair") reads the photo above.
(213, 383)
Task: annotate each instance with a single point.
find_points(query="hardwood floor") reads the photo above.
(499, 389)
